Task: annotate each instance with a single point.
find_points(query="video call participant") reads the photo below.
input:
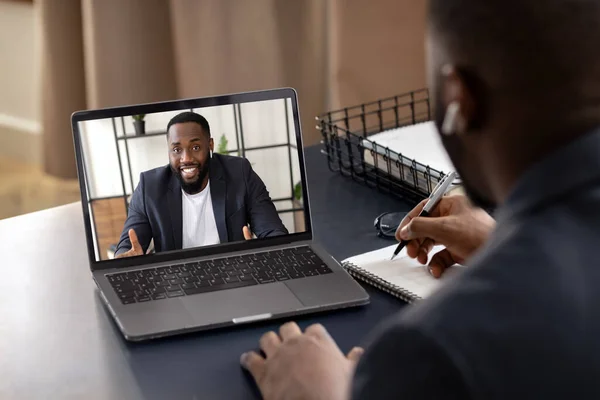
(199, 199)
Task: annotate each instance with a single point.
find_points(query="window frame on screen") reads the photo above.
(183, 104)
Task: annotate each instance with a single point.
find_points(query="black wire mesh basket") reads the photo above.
(350, 152)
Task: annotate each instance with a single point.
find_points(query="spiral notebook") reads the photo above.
(404, 277)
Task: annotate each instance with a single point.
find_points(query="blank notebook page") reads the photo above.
(403, 271)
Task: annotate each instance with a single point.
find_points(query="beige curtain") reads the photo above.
(100, 53)
(63, 82)
(377, 49)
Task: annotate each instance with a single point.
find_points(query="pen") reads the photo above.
(434, 198)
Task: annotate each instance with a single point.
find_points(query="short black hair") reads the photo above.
(547, 49)
(189, 116)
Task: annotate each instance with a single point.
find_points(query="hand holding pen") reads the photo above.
(436, 195)
(453, 223)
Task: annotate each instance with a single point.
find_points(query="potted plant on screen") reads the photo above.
(298, 194)
(222, 146)
(139, 124)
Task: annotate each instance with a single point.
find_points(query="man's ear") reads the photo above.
(211, 146)
(459, 101)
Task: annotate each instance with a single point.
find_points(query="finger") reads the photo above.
(440, 262)
(424, 250)
(318, 331)
(415, 249)
(442, 230)
(247, 233)
(128, 253)
(355, 354)
(135, 244)
(255, 364)
(412, 248)
(436, 212)
(422, 257)
(289, 330)
(269, 342)
(411, 214)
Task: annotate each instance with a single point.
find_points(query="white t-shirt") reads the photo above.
(199, 226)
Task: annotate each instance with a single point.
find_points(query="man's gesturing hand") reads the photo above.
(454, 223)
(247, 233)
(136, 248)
(308, 365)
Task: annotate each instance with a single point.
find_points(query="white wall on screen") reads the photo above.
(294, 142)
(291, 126)
(288, 221)
(222, 122)
(295, 166)
(264, 123)
(145, 154)
(272, 166)
(100, 154)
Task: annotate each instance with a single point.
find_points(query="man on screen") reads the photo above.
(199, 199)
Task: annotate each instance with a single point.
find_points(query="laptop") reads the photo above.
(187, 232)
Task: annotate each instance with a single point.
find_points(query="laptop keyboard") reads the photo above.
(219, 274)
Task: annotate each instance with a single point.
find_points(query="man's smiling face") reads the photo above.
(189, 157)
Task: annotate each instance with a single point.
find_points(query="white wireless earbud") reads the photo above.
(210, 153)
(449, 126)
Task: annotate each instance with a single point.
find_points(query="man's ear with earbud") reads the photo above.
(211, 145)
(449, 125)
(455, 119)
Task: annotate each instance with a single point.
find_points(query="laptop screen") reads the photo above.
(191, 177)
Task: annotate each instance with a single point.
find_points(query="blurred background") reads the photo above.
(59, 56)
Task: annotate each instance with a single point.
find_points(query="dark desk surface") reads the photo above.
(58, 341)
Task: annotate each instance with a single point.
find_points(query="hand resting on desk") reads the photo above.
(301, 365)
(454, 223)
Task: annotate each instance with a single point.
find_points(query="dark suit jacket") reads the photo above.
(239, 198)
(521, 322)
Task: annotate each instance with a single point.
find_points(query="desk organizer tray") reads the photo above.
(389, 144)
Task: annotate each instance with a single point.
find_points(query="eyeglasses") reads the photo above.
(387, 223)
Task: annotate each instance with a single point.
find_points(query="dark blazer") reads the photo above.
(521, 322)
(239, 198)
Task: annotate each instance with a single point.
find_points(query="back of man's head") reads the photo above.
(524, 77)
(547, 49)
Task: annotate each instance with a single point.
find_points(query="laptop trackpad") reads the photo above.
(225, 305)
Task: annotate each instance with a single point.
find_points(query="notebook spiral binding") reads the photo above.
(394, 290)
